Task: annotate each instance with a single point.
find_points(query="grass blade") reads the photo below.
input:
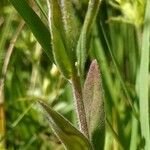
(144, 79)
(129, 101)
(4, 34)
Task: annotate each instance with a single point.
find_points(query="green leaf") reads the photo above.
(39, 30)
(70, 24)
(69, 135)
(61, 54)
(83, 43)
(94, 106)
(144, 79)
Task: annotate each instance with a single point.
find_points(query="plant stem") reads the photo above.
(79, 105)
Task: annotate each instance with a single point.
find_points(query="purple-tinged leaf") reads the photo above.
(93, 98)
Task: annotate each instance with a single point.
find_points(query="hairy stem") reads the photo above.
(79, 105)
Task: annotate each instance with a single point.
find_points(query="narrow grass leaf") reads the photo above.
(3, 38)
(94, 106)
(129, 101)
(114, 134)
(134, 133)
(144, 79)
(39, 30)
(21, 116)
(69, 135)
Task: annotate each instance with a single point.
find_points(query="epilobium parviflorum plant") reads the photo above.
(89, 100)
(90, 42)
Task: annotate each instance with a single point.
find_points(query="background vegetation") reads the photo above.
(119, 40)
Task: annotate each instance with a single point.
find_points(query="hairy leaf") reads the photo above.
(70, 24)
(94, 106)
(83, 43)
(69, 135)
(37, 27)
(60, 51)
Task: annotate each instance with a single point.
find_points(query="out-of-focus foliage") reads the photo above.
(131, 11)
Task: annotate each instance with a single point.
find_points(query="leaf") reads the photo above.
(70, 24)
(69, 135)
(83, 42)
(62, 55)
(37, 27)
(144, 79)
(94, 106)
